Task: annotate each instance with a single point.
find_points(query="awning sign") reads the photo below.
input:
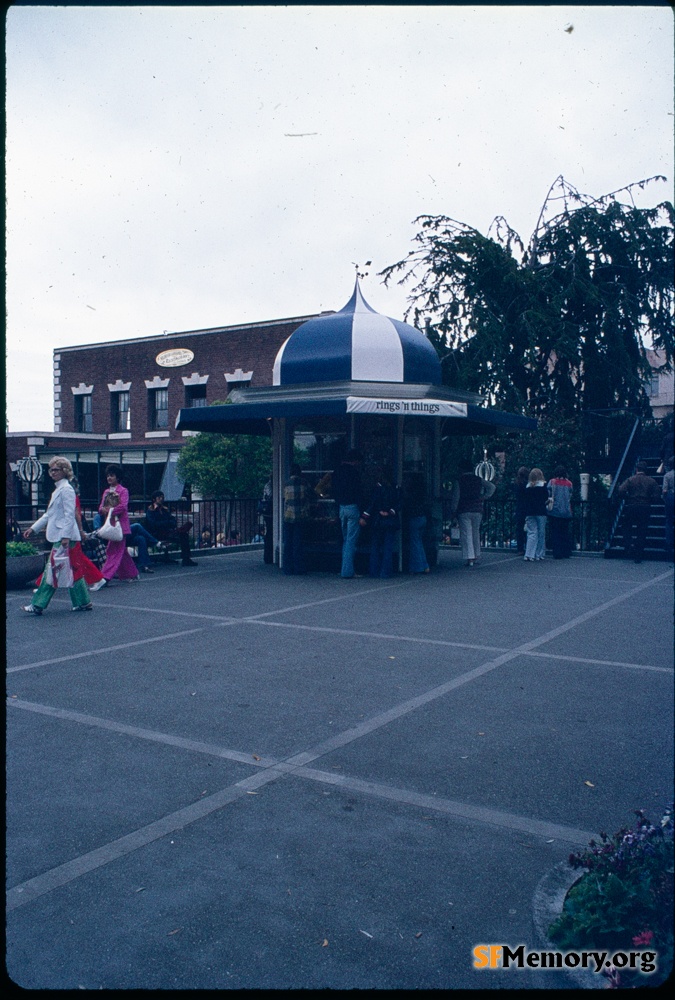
(406, 407)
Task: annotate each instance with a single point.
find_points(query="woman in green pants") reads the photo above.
(63, 532)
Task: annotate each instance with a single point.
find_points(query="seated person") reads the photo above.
(162, 525)
(143, 540)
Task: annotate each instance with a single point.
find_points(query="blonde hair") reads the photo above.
(535, 476)
(59, 462)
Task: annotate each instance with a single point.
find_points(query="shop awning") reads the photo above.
(252, 410)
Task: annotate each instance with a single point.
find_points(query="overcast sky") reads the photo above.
(175, 168)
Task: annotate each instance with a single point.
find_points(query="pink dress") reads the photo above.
(118, 561)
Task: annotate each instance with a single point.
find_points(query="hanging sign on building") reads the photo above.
(406, 407)
(174, 358)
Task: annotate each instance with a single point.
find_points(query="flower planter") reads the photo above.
(548, 902)
(23, 570)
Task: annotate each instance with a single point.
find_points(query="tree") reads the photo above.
(221, 467)
(558, 327)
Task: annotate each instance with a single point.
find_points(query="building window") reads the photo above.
(158, 400)
(653, 386)
(195, 395)
(120, 412)
(83, 414)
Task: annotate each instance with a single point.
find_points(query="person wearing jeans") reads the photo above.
(347, 492)
(415, 509)
(383, 517)
(536, 496)
(143, 540)
(162, 525)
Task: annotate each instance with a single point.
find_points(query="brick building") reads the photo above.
(118, 402)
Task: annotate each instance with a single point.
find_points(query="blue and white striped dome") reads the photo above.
(356, 344)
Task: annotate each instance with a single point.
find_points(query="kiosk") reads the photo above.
(353, 379)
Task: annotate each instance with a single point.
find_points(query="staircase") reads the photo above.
(655, 546)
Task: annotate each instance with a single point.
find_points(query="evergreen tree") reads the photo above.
(560, 326)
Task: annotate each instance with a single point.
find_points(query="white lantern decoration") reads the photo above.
(485, 469)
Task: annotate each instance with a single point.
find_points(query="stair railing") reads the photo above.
(627, 459)
(624, 458)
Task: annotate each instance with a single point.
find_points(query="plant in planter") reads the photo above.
(625, 900)
(23, 563)
(14, 549)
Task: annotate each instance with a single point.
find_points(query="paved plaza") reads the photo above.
(228, 778)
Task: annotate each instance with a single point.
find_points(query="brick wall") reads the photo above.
(251, 347)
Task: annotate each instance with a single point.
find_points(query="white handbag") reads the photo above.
(110, 532)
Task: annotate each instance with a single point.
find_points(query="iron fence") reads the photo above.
(591, 522)
(237, 522)
(215, 523)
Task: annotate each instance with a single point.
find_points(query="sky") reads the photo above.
(174, 168)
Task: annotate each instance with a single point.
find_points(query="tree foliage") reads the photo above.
(219, 467)
(557, 327)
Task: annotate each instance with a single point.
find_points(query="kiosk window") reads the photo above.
(316, 452)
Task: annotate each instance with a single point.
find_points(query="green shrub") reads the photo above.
(625, 899)
(20, 549)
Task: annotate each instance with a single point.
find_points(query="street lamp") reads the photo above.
(29, 470)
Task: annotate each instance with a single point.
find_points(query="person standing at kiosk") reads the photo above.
(383, 517)
(296, 515)
(347, 490)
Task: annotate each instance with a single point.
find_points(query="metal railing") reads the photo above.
(589, 529)
(628, 457)
(239, 522)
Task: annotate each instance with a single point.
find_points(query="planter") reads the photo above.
(23, 570)
(548, 902)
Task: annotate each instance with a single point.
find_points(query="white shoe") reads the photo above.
(97, 586)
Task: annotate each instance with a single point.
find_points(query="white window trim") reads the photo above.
(238, 376)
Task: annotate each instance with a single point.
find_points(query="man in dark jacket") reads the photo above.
(638, 493)
(162, 524)
(347, 489)
(383, 518)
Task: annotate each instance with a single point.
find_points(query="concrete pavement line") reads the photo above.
(404, 708)
(104, 649)
(493, 817)
(97, 722)
(381, 635)
(225, 619)
(462, 645)
(28, 891)
(602, 663)
(327, 600)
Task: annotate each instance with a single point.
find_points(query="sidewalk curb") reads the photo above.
(547, 904)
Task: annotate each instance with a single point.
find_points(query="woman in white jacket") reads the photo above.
(63, 532)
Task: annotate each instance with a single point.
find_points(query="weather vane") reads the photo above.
(360, 273)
